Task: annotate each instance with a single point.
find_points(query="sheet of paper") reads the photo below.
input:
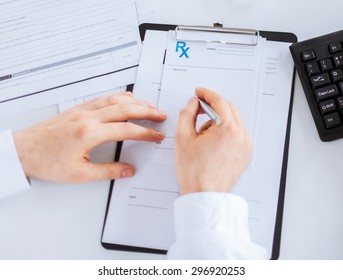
(146, 200)
(261, 186)
(141, 214)
(48, 44)
(147, 11)
(78, 101)
(230, 69)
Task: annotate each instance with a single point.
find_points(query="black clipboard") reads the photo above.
(270, 36)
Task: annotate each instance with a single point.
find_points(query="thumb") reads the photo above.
(109, 171)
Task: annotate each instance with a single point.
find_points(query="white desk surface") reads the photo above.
(65, 222)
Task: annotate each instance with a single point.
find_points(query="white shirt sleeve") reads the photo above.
(213, 225)
(12, 177)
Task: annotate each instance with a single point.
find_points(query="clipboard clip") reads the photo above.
(218, 28)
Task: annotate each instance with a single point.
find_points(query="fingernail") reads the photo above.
(192, 99)
(160, 134)
(127, 173)
(163, 114)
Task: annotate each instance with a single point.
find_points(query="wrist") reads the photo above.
(201, 187)
(208, 188)
(18, 138)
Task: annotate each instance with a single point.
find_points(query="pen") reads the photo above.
(210, 112)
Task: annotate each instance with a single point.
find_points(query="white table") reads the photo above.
(65, 222)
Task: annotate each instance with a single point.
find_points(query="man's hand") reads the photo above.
(213, 158)
(59, 148)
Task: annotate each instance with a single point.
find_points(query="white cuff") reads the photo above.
(203, 211)
(12, 177)
(213, 226)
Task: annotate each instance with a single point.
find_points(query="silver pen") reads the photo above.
(210, 112)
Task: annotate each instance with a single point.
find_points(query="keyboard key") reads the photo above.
(320, 80)
(335, 48)
(341, 87)
(332, 120)
(326, 93)
(337, 75)
(312, 69)
(325, 65)
(340, 102)
(338, 60)
(308, 56)
(327, 106)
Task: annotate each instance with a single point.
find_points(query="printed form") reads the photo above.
(49, 44)
(146, 12)
(140, 212)
(230, 69)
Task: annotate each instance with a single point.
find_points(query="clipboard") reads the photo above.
(270, 36)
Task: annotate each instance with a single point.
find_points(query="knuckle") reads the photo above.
(112, 173)
(112, 100)
(150, 133)
(232, 105)
(231, 129)
(83, 130)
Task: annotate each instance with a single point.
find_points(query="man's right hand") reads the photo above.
(214, 158)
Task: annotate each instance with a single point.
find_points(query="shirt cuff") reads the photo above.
(211, 211)
(213, 226)
(12, 176)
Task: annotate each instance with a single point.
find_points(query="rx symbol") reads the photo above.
(182, 46)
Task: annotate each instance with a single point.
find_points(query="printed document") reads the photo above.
(46, 45)
(146, 12)
(231, 69)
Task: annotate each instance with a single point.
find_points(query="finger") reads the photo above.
(129, 111)
(187, 119)
(125, 131)
(206, 126)
(218, 103)
(108, 171)
(101, 102)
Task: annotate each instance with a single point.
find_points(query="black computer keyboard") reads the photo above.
(319, 63)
